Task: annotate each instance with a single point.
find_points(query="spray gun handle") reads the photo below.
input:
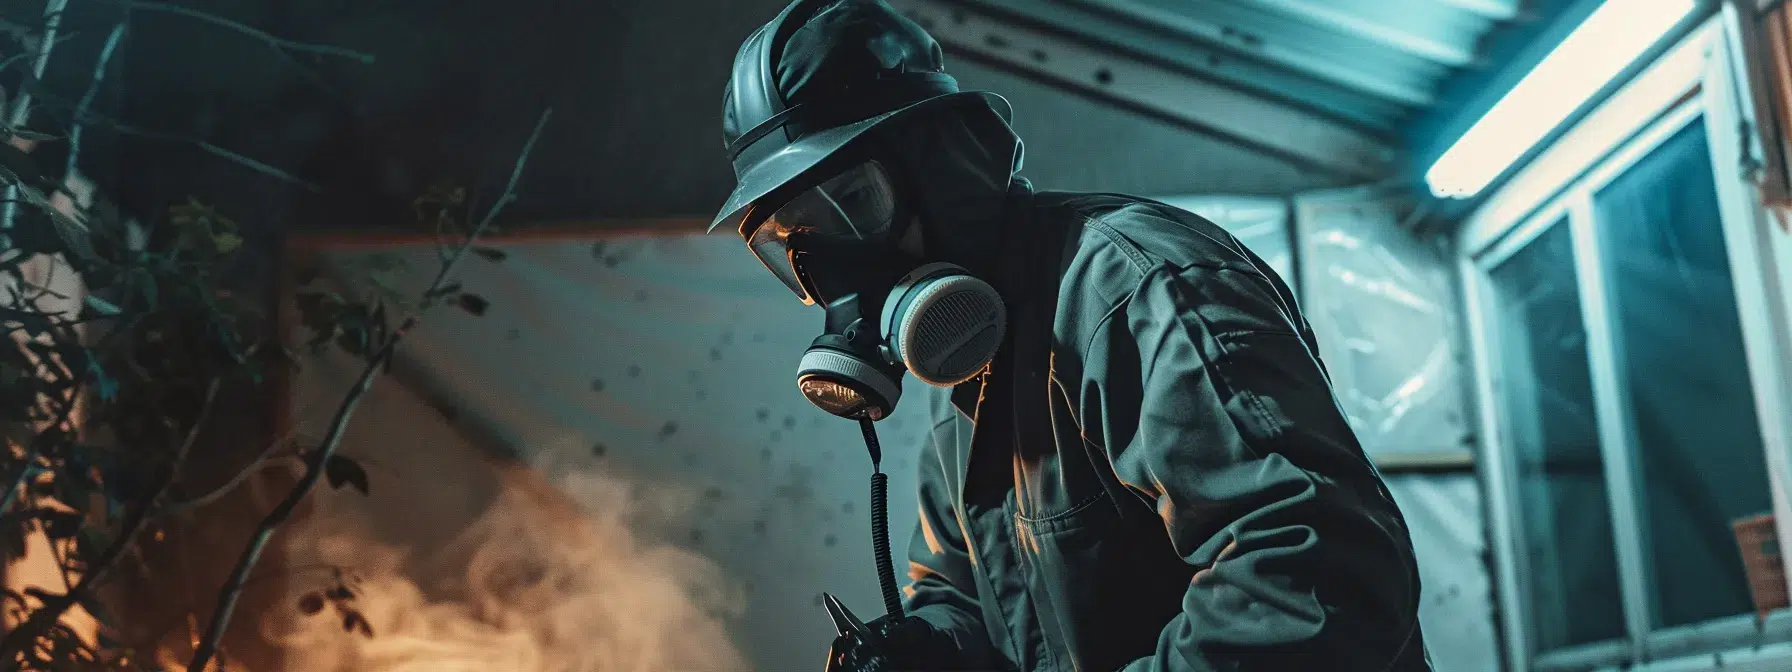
(845, 654)
(845, 622)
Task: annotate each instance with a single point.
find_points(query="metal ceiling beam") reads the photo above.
(1329, 16)
(1209, 107)
(1233, 64)
(1200, 30)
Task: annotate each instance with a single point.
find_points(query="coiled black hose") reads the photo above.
(880, 522)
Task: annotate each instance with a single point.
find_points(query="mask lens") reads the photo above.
(856, 205)
(862, 204)
(771, 244)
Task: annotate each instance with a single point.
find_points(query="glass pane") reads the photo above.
(1679, 343)
(1570, 579)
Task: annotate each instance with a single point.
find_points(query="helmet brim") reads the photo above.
(790, 163)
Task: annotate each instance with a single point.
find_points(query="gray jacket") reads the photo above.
(1166, 482)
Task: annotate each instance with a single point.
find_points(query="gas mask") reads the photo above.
(888, 311)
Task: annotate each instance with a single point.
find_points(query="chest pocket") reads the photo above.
(1104, 585)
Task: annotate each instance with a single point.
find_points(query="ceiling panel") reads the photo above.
(1367, 67)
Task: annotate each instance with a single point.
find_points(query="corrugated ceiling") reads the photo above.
(1374, 66)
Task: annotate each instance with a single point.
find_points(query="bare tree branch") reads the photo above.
(93, 90)
(187, 606)
(262, 462)
(274, 41)
(318, 458)
(88, 117)
(204, 145)
(47, 615)
(20, 106)
(23, 55)
(35, 448)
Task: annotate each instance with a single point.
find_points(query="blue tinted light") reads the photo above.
(1607, 42)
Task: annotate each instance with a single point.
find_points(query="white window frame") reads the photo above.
(1693, 82)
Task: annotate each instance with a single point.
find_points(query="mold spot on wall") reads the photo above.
(640, 296)
(789, 422)
(762, 414)
(599, 449)
(829, 541)
(513, 334)
(597, 384)
(668, 429)
(634, 370)
(798, 489)
(758, 527)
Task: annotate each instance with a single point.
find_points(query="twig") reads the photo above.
(23, 55)
(118, 126)
(18, 480)
(21, 107)
(93, 90)
(54, 607)
(262, 461)
(32, 451)
(284, 573)
(315, 461)
(20, 111)
(274, 41)
(208, 147)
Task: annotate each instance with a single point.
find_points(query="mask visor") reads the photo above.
(857, 205)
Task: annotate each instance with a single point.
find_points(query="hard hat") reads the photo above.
(821, 74)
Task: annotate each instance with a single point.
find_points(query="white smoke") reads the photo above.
(558, 574)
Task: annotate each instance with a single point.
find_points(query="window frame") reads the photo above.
(1692, 82)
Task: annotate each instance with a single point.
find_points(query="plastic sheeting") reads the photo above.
(1444, 514)
(1385, 310)
(668, 363)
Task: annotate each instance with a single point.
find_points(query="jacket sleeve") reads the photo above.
(1303, 561)
(942, 588)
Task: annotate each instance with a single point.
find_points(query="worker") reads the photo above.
(1136, 461)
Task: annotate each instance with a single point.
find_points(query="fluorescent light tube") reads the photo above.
(1604, 44)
